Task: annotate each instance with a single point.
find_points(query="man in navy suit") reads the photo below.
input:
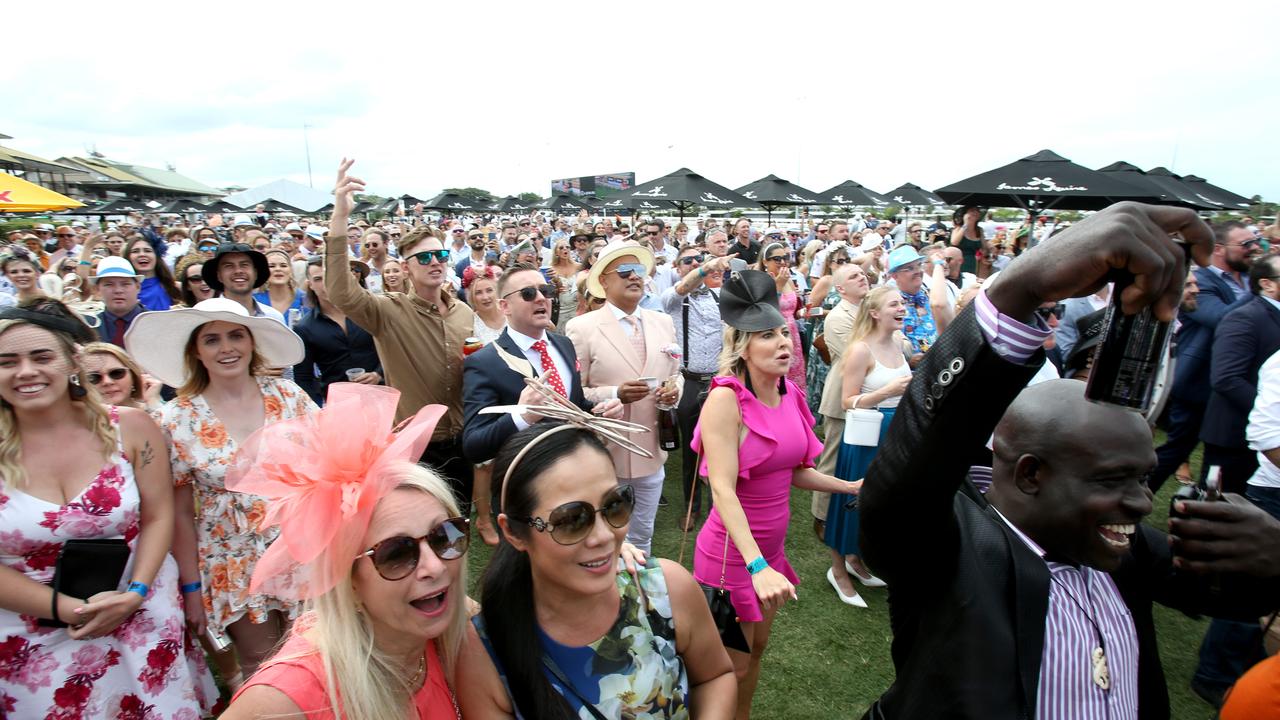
(488, 378)
(1247, 336)
(1222, 286)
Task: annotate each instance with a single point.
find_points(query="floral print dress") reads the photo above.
(147, 668)
(228, 539)
(633, 671)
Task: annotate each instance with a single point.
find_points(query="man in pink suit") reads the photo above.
(619, 346)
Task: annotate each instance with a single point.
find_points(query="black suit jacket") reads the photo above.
(488, 381)
(1246, 337)
(1195, 336)
(967, 598)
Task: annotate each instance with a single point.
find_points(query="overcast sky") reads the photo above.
(508, 96)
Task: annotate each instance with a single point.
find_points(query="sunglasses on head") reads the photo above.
(396, 557)
(528, 294)
(572, 522)
(1056, 311)
(626, 270)
(117, 374)
(691, 259)
(426, 256)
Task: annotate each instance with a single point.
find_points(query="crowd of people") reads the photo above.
(289, 430)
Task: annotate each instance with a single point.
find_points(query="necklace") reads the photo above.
(1097, 658)
(421, 673)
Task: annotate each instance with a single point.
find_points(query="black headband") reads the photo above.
(78, 331)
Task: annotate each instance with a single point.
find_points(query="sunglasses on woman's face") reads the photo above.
(195, 278)
(528, 294)
(776, 259)
(117, 374)
(572, 522)
(426, 256)
(396, 557)
(840, 261)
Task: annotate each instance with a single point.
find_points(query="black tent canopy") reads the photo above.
(687, 189)
(850, 193)
(1042, 181)
(772, 191)
(1166, 187)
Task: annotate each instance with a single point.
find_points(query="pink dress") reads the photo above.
(787, 302)
(147, 667)
(779, 440)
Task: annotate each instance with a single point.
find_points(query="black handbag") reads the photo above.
(722, 612)
(86, 568)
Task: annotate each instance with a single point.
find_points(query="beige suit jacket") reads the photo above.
(836, 331)
(607, 360)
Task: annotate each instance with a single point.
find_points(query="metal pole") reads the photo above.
(307, 145)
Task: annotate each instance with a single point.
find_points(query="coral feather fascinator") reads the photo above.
(323, 474)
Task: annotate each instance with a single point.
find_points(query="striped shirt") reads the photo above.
(1083, 602)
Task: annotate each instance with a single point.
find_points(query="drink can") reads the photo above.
(471, 345)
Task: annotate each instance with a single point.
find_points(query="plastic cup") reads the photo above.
(354, 373)
(652, 382)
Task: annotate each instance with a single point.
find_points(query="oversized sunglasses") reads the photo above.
(776, 258)
(528, 294)
(627, 270)
(691, 259)
(426, 256)
(195, 278)
(117, 374)
(572, 522)
(396, 557)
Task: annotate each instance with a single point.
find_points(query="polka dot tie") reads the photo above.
(549, 373)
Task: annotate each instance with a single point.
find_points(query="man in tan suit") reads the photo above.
(850, 281)
(618, 345)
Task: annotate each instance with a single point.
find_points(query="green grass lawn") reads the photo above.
(828, 660)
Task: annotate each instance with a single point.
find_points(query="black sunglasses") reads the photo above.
(570, 523)
(95, 378)
(528, 294)
(776, 259)
(651, 232)
(627, 270)
(691, 259)
(840, 261)
(396, 557)
(1056, 311)
(197, 278)
(425, 257)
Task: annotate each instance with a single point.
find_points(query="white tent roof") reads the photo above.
(286, 191)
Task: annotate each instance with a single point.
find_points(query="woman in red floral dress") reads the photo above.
(125, 653)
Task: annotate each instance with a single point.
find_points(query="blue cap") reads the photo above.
(903, 255)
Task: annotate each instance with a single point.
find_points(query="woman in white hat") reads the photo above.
(216, 355)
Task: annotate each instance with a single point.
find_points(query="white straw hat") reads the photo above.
(158, 340)
(611, 252)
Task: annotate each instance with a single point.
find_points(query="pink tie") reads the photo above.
(637, 338)
(549, 372)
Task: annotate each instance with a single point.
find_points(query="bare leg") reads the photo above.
(225, 663)
(480, 497)
(254, 643)
(841, 575)
(747, 666)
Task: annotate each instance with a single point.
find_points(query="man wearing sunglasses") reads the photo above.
(488, 379)
(419, 336)
(618, 346)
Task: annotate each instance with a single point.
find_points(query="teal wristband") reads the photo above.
(757, 565)
(140, 588)
(190, 587)
(86, 263)
(702, 271)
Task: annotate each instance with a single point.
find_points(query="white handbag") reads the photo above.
(862, 426)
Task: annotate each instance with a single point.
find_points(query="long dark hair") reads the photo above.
(163, 275)
(506, 587)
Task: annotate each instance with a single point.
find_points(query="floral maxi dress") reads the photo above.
(228, 539)
(147, 668)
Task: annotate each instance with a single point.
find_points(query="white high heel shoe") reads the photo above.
(870, 581)
(855, 599)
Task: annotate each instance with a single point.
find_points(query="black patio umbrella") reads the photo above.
(1214, 193)
(853, 194)
(563, 202)
(182, 207)
(445, 202)
(909, 194)
(1040, 182)
(772, 191)
(687, 189)
(618, 203)
(272, 205)
(122, 207)
(222, 206)
(511, 203)
(360, 207)
(1166, 187)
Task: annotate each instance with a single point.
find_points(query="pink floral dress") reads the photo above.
(148, 668)
(229, 542)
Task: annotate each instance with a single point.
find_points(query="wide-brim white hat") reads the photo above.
(158, 340)
(611, 252)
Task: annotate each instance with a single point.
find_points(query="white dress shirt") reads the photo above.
(525, 343)
(1263, 431)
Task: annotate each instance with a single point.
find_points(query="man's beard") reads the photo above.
(1188, 305)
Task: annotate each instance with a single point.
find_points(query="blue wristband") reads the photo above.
(190, 587)
(140, 588)
(757, 565)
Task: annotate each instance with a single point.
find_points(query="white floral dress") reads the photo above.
(147, 668)
(228, 540)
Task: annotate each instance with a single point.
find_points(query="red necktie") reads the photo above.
(117, 337)
(549, 372)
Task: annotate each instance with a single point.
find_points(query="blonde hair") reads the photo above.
(863, 323)
(198, 375)
(733, 362)
(95, 414)
(266, 282)
(360, 679)
(135, 372)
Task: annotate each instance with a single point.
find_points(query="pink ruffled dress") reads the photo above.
(779, 440)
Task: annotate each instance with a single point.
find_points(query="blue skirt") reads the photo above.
(851, 464)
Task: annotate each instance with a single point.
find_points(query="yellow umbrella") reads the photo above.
(19, 196)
